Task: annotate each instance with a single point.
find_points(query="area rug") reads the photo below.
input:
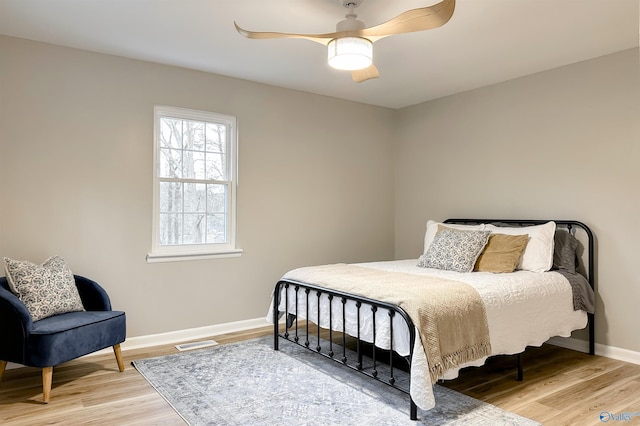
(248, 383)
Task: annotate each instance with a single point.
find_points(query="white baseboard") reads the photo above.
(602, 350)
(178, 336)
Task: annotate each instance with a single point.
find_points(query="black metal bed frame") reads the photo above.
(308, 291)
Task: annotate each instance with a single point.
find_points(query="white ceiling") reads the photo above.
(486, 41)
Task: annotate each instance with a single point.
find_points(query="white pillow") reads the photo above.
(432, 229)
(538, 254)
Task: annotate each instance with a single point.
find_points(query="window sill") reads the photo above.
(180, 257)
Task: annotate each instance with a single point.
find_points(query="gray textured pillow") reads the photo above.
(564, 251)
(46, 290)
(454, 250)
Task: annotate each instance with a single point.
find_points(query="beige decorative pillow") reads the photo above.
(502, 253)
(46, 290)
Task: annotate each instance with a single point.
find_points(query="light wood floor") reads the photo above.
(561, 387)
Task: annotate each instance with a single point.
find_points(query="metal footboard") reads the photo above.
(306, 336)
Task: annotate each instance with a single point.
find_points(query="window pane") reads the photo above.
(195, 198)
(216, 228)
(193, 165)
(216, 198)
(193, 136)
(170, 163)
(170, 197)
(216, 138)
(216, 166)
(170, 229)
(170, 133)
(194, 229)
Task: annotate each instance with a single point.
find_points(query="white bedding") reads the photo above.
(523, 309)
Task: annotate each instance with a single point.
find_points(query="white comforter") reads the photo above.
(523, 309)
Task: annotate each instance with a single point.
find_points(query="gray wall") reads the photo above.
(561, 144)
(76, 140)
(321, 180)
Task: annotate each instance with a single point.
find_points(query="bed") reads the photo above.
(482, 287)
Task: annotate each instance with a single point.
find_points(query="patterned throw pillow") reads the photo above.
(454, 250)
(46, 290)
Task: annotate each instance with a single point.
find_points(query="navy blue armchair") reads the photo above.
(59, 338)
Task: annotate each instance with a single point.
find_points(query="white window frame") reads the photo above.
(178, 252)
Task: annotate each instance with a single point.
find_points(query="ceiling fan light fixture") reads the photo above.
(350, 53)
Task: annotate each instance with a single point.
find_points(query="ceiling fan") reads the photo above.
(351, 46)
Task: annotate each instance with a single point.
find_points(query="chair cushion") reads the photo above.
(63, 337)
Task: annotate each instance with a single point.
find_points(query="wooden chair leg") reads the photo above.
(116, 350)
(3, 366)
(47, 377)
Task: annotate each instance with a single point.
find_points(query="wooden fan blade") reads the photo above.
(424, 18)
(365, 74)
(318, 38)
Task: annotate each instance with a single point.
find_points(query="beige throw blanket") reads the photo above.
(449, 315)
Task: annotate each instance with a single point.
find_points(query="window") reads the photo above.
(194, 194)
